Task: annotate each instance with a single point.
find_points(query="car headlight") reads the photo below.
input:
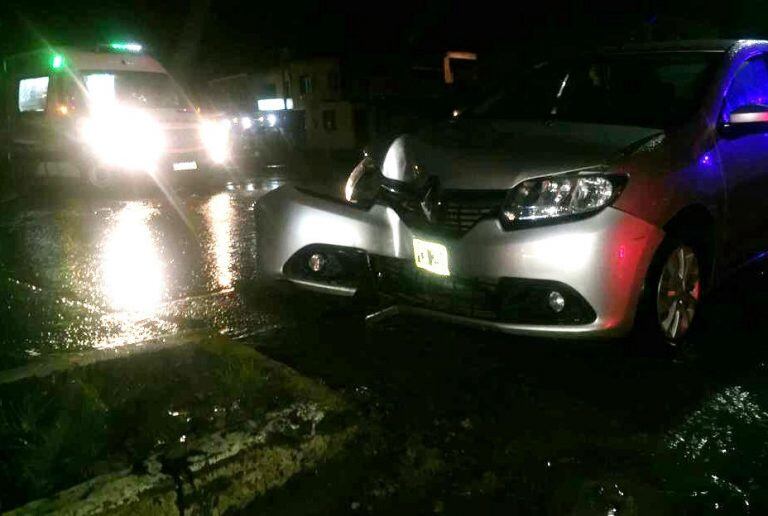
(559, 197)
(363, 182)
(215, 136)
(123, 137)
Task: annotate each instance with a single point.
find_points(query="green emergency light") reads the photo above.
(121, 46)
(57, 61)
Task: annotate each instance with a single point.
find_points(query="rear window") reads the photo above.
(33, 94)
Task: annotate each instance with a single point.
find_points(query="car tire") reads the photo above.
(671, 297)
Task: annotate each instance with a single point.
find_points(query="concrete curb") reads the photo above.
(150, 492)
(226, 472)
(58, 362)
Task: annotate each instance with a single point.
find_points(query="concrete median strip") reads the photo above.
(59, 362)
(227, 472)
(229, 425)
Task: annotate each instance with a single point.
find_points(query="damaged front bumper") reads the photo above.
(499, 279)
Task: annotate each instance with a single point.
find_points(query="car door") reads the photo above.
(744, 156)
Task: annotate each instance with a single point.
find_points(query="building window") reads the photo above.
(33, 94)
(329, 119)
(305, 84)
(287, 83)
(333, 81)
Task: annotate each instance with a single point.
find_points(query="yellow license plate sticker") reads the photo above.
(431, 256)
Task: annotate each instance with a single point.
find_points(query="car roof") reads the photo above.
(693, 45)
(87, 59)
(84, 59)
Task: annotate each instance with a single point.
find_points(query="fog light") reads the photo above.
(556, 301)
(317, 262)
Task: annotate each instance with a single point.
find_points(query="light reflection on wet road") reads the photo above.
(132, 274)
(84, 271)
(219, 214)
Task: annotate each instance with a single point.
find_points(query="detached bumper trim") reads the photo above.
(324, 288)
(580, 331)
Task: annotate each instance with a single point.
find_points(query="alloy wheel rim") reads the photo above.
(678, 292)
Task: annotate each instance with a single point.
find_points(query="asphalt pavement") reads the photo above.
(126, 319)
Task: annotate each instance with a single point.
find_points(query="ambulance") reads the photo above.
(103, 115)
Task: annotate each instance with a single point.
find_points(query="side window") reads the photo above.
(33, 94)
(749, 85)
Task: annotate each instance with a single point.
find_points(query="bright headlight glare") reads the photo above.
(215, 136)
(123, 138)
(561, 196)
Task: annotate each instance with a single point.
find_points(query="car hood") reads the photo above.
(497, 155)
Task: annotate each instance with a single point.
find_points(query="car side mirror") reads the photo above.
(749, 114)
(744, 120)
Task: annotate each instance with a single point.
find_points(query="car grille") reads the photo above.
(459, 210)
(461, 215)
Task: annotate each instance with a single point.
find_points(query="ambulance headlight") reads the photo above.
(215, 136)
(123, 138)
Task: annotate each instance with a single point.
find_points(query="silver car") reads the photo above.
(594, 195)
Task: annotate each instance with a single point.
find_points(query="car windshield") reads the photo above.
(143, 89)
(650, 90)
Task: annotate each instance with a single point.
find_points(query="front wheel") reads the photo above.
(671, 295)
(678, 291)
(98, 177)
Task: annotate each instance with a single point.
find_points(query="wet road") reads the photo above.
(87, 271)
(455, 419)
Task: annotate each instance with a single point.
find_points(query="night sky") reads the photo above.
(205, 38)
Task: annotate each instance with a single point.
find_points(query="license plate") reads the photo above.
(185, 165)
(431, 256)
